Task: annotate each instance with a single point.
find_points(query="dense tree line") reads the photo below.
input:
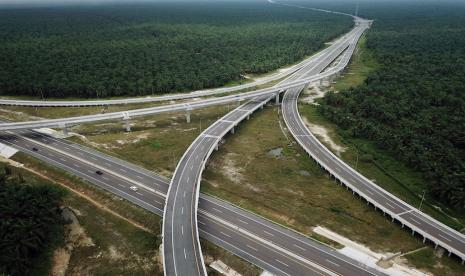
(414, 104)
(114, 50)
(30, 219)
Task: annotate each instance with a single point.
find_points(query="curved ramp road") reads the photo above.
(181, 246)
(270, 246)
(171, 97)
(418, 222)
(188, 107)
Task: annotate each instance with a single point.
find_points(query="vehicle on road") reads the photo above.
(35, 149)
(99, 172)
(134, 188)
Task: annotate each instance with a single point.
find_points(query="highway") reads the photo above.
(187, 107)
(181, 245)
(257, 240)
(418, 222)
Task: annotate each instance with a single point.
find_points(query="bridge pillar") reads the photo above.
(320, 82)
(127, 123)
(64, 128)
(238, 102)
(248, 117)
(424, 239)
(216, 146)
(449, 253)
(188, 117)
(413, 232)
(232, 130)
(276, 99)
(306, 86)
(435, 246)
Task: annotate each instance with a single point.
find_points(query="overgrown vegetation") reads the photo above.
(413, 104)
(138, 49)
(30, 223)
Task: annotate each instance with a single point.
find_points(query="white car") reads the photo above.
(134, 188)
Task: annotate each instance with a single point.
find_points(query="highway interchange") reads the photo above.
(262, 242)
(181, 245)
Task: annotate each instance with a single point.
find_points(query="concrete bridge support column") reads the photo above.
(306, 87)
(320, 82)
(216, 146)
(127, 125)
(232, 130)
(276, 99)
(64, 129)
(188, 116)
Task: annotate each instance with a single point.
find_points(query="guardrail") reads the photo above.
(342, 180)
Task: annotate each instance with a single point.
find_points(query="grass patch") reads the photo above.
(291, 189)
(425, 259)
(154, 142)
(362, 64)
(214, 252)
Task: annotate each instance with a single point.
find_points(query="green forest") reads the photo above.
(414, 104)
(30, 223)
(142, 49)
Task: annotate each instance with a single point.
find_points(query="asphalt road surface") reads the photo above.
(259, 241)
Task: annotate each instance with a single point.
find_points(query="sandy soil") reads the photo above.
(322, 133)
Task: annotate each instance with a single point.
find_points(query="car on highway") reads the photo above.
(99, 172)
(35, 149)
(134, 188)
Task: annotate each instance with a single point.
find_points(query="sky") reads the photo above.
(55, 2)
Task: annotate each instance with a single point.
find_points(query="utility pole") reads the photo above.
(422, 199)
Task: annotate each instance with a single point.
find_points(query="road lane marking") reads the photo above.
(106, 178)
(271, 234)
(140, 177)
(253, 248)
(245, 222)
(301, 248)
(219, 211)
(76, 165)
(121, 185)
(123, 170)
(332, 262)
(444, 237)
(225, 234)
(281, 262)
(185, 255)
(416, 221)
(182, 230)
(182, 210)
(390, 205)
(62, 159)
(139, 193)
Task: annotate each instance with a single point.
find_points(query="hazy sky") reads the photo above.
(40, 2)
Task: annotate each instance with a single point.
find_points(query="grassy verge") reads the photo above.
(289, 188)
(361, 65)
(155, 142)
